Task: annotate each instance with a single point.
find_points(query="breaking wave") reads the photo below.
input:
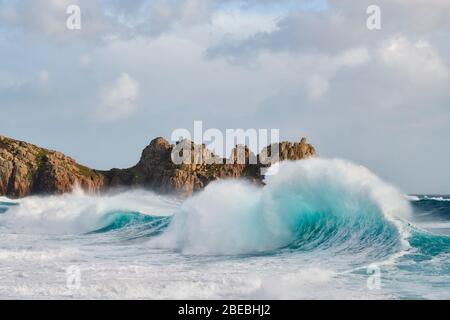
(314, 204)
(324, 206)
(80, 213)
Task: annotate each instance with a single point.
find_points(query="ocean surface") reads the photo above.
(318, 229)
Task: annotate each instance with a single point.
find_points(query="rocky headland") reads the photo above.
(26, 169)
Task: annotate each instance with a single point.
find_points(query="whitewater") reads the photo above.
(317, 229)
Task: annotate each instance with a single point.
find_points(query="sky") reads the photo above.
(141, 69)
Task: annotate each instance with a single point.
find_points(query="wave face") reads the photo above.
(310, 232)
(309, 205)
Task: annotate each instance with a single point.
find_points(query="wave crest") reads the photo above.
(309, 205)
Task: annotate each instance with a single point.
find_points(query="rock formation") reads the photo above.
(26, 169)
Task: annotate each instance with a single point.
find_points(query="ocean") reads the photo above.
(317, 229)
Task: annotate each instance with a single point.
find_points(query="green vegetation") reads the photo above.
(213, 170)
(87, 172)
(41, 158)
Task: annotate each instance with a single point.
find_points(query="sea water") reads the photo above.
(318, 229)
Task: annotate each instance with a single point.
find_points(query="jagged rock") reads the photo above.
(27, 169)
(287, 151)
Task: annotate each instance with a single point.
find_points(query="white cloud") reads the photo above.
(416, 60)
(241, 25)
(118, 99)
(47, 19)
(327, 68)
(103, 21)
(352, 58)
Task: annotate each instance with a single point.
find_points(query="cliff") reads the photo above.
(26, 169)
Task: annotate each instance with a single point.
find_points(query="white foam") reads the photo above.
(79, 212)
(5, 199)
(39, 255)
(435, 225)
(308, 283)
(436, 198)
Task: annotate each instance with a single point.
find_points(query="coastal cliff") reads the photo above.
(26, 169)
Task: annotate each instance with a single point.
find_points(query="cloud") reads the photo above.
(33, 16)
(340, 27)
(118, 99)
(417, 60)
(327, 68)
(104, 21)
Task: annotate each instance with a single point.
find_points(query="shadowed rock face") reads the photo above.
(26, 169)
